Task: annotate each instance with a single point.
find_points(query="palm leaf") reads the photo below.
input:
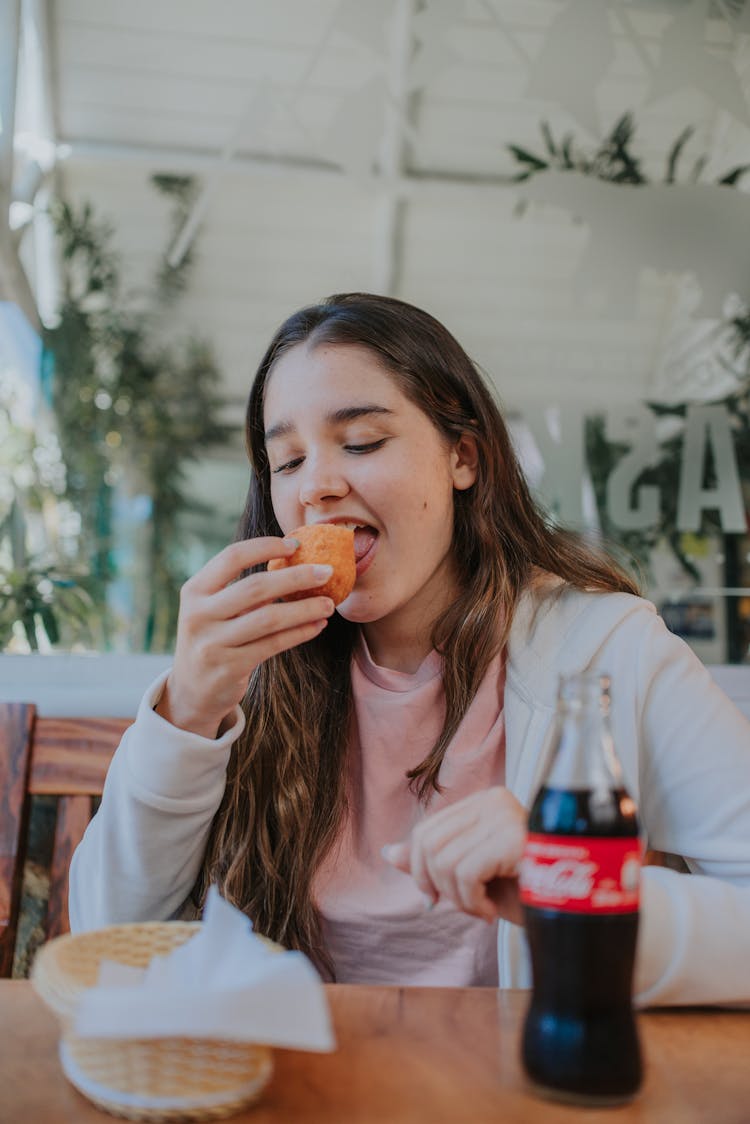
(548, 139)
(675, 151)
(732, 178)
(525, 157)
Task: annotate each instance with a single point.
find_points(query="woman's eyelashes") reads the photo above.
(357, 450)
(288, 466)
(370, 447)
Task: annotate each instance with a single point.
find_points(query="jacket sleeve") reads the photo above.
(142, 851)
(694, 792)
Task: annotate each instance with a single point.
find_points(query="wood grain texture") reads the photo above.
(63, 757)
(71, 755)
(73, 815)
(70, 758)
(418, 1056)
(16, 725)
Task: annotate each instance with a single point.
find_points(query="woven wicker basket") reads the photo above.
(161, 1079)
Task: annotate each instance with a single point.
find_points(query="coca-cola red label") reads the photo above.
(581, 874)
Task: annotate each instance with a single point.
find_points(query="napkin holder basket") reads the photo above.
(156, 1079)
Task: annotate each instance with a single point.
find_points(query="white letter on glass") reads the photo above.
(637, 429)
(709, 425)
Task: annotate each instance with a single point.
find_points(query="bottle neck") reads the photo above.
(584, 756)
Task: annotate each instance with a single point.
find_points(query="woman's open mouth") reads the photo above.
(365, 541)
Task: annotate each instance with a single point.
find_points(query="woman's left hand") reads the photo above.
(469, 853)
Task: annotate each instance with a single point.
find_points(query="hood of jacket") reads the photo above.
(556, 630)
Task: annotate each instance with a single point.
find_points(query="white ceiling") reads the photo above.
(363, 144)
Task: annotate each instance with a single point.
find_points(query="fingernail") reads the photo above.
(294, 543)
(429, 903)
(322, 571)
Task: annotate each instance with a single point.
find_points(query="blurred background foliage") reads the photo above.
(126, 410)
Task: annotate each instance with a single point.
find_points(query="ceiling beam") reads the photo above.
(390, 207)
(40, 241)
(186, 161)
(14, 284)
(10, 22)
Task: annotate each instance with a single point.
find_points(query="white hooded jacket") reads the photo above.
(684, 748)
(685, 753)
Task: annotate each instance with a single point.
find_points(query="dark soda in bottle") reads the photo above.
(579, 884)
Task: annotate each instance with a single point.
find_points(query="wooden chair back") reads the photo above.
(63, 757)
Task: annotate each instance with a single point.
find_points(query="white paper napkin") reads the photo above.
(222, 983)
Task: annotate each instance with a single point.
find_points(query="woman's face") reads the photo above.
(345, 445)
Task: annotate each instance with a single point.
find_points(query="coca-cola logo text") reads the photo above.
(581, 874)
(565, 878)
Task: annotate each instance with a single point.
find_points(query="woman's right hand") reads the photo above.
(227, 625)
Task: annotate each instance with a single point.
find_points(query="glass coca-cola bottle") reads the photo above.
(579, 885)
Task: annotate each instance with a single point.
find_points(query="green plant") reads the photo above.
(131, 414)
(35, 597)
(613, 160)
(43, 595)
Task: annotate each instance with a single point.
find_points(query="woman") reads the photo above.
(413, 718)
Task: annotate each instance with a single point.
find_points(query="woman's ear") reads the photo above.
(464, 459)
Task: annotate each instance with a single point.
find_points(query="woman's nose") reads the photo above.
(321, 481)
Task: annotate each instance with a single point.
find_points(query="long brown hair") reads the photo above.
(285, 796)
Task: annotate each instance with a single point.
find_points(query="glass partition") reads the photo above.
(564, 185)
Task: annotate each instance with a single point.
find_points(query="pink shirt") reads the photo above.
(375, 922)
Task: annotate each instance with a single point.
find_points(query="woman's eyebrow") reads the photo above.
(336, 417)
(351, 413)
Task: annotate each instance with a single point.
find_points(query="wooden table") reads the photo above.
(415, 1056)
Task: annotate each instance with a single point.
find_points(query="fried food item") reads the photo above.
(323, 543)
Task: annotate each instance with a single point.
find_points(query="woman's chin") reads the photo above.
(359, 609)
